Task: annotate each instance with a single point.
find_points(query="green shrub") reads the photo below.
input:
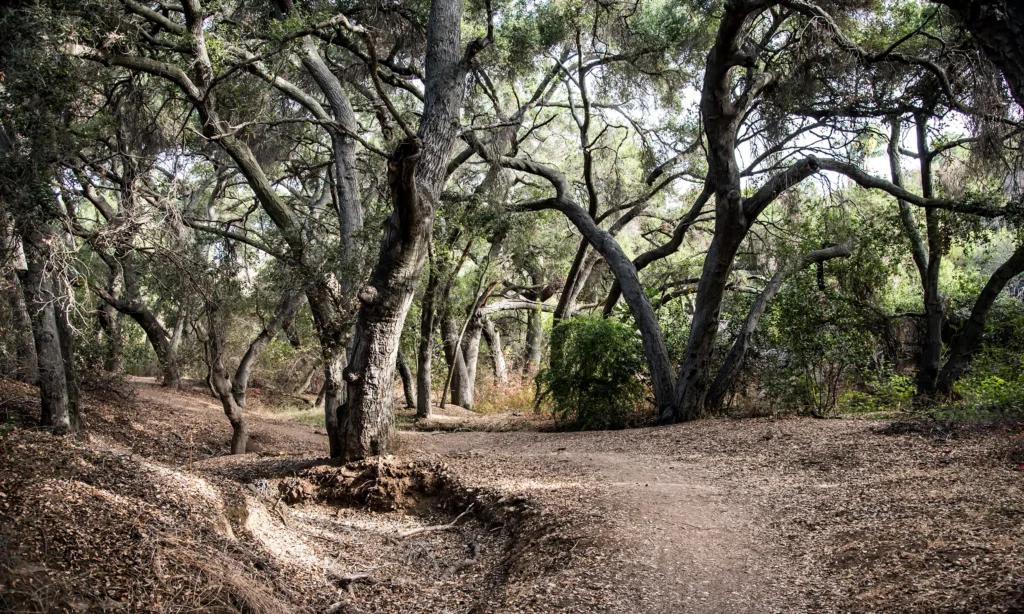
(986, 392)
(597, 376)
(885, 392)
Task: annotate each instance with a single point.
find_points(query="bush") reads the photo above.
(986, 392)
(886, 391)
(597, 376)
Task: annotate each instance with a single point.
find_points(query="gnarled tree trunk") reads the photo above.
(416, 173)
(41, 299)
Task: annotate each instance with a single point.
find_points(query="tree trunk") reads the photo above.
(307, 378)
(157, 335)
(968, 340)
(694, 373)
(221, 384)
(722, 117)
(534, 341)
(471, 354)
(573, 284)
(287, 307)
(67, 348)
(494, 341)
(456, 363)
(25, 349)
(332, 330)
(734, 361)
(927, 259)
(424, 376)
(40, 299)
(232, 390)
(408, 384)
(416, 173)
(934, 306)
(108, 319)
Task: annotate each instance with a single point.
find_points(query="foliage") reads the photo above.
(883, 391)
(596, 378)
(823, 342)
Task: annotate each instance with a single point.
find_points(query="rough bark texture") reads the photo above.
(722, 113)
(416, 173)
(41, 298)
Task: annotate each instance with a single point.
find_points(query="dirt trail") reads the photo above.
(750, 516)
(686, 543)
(673, 539)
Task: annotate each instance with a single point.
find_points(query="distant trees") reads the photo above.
(563, 157)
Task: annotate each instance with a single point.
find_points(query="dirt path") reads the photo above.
(674, 539)
(685, 543)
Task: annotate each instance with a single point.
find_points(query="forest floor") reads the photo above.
(148, 513)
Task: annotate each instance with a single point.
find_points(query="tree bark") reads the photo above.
(222, 384)
(40, 298)
(66, 333)
(332, 332)
(456, 363)
(424, 375)
(934, 306)
(722, 116)
(25, 349)
(416, 173)
(493, 337)
(534, 340)
(573, 283)
(307, 379)
(471, 355)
